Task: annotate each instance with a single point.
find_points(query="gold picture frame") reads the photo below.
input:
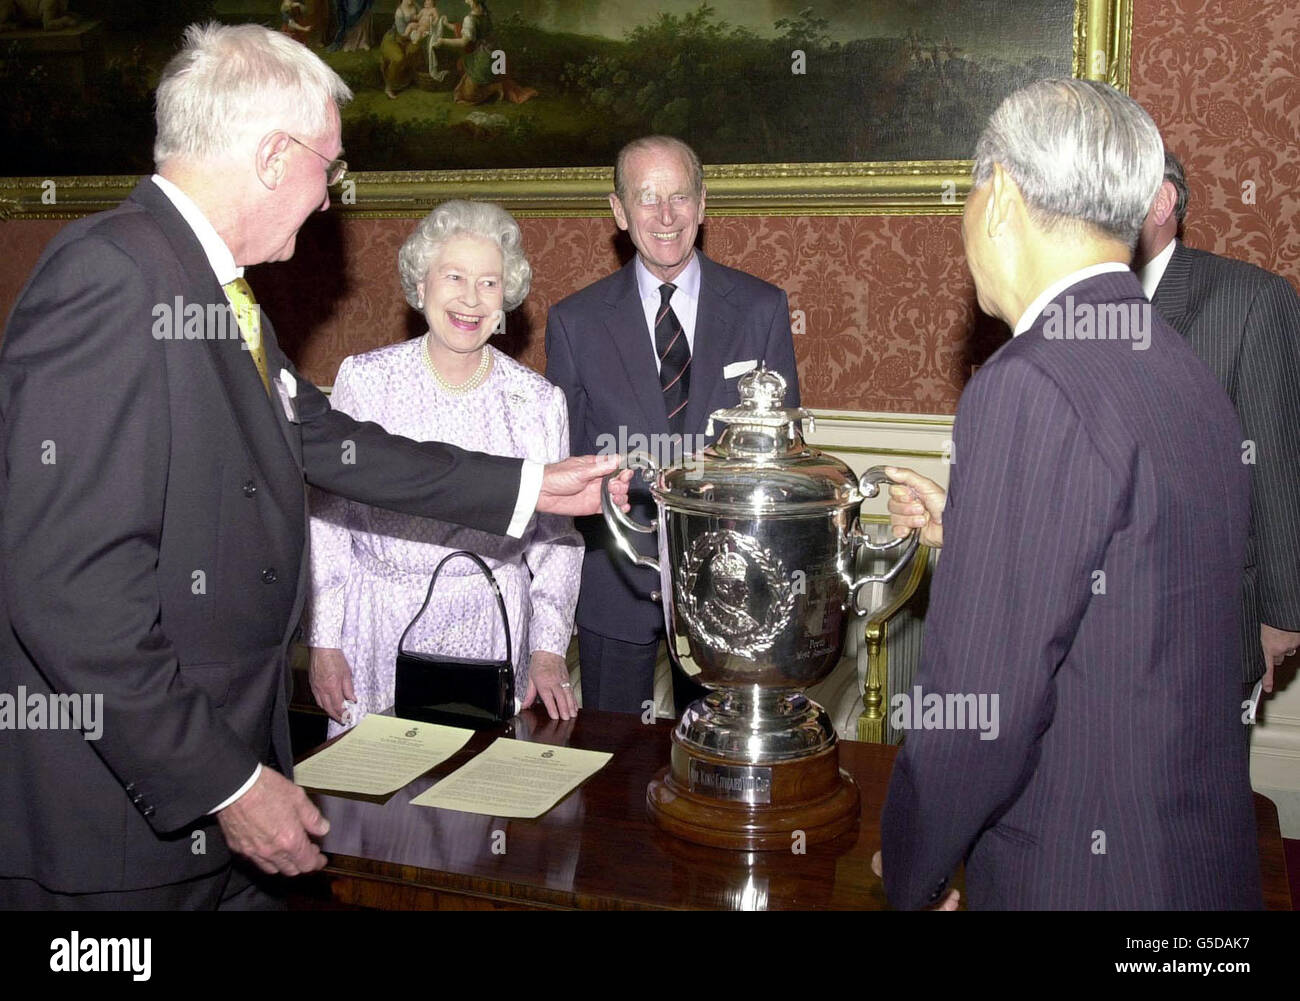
(1101, 51)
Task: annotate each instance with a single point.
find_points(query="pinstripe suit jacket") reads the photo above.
(1118, 777)
(1244, 323)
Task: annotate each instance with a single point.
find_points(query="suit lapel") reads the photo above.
(1175, 284)
(625, 321)
(715, 331)
(241, 387)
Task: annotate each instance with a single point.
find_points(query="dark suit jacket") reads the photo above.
(1118, 777)
(153, 534)
(1244, 323)
(599, 351)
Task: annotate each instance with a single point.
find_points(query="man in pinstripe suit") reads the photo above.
(1243, 322)
(1094, 534)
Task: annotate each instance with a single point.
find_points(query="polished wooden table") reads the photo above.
(598, 849)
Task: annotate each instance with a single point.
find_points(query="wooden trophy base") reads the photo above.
(702, 798)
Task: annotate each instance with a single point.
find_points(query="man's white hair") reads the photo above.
(1080, 151)
(229, 79)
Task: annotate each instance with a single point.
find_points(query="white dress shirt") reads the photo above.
(685, 300)
(218, 254)
(1030, 315)
(1154, 270)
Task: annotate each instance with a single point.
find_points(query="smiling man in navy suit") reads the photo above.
(649, 352)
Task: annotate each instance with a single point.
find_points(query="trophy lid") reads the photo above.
(760, 464)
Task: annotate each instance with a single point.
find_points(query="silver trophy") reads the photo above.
(758, 540)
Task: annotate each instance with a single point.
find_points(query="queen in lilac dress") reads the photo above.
(370, 568)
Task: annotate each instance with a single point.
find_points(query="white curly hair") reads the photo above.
(463, 218)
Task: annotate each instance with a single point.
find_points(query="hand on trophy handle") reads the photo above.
(950, 899)
(905, 545)
(576, 485)
(916, 502)
(617, 520)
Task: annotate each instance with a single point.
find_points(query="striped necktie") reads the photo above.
(249, 318)
(674, 360)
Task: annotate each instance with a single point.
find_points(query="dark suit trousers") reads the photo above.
(618, 676)
(234, 888)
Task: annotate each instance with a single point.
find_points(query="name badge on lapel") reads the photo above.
(286, 387)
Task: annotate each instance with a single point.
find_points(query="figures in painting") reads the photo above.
(398, 47)
(290, 11)
(433, 27)
(409, 44)
(52, 15)
(351, 25)
(481, 79)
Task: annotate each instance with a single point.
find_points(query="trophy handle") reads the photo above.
(870, 484)
(618, 521)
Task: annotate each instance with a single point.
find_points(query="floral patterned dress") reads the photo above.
(370, 568)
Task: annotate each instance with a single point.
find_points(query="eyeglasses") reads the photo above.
(334, 169)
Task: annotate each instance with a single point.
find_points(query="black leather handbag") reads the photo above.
(457, 691)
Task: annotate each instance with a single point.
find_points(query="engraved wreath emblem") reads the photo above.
(735, 596)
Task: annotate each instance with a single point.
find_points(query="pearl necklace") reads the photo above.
(470, 384)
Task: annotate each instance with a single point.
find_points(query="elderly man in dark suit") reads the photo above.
(644, 354)
(156, 446)
(1244, 322)
(1094, 534)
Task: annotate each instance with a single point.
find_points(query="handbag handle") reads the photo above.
(496, 589)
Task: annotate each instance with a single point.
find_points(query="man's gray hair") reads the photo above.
(228, 79)
(461, 218)
(1176, 176)
(647, 144)
(1080, 152)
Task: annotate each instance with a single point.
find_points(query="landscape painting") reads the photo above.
(461, 85)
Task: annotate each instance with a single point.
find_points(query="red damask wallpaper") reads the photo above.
(890, 310)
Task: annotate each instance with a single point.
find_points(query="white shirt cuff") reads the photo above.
(242, 789)
(530, 489)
